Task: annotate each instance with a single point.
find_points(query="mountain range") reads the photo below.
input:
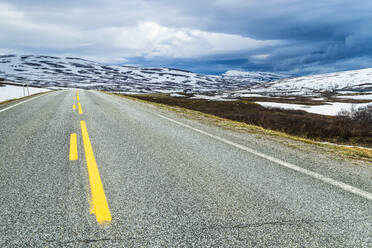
(71, 72)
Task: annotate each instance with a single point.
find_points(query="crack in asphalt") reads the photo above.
(281, 223)
(293, 222)
(85, 241)
(239, 226)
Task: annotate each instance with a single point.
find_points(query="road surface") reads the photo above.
(87, 169)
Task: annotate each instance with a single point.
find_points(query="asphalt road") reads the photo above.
(146, 177)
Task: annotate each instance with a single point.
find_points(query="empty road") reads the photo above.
(87, 169)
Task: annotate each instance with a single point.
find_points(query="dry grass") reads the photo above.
(294, 122)
(357, 153)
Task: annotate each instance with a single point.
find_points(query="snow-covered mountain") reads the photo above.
(75, 72)
(254, 77)
(356, 81)
(80, 73)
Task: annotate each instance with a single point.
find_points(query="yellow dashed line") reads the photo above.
(80, 109)
(73, 147)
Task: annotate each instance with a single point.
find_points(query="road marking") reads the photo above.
(99, 201)
(312, 174)
(74, 98)
(78, 98)
(80, 109)
(73, 147)
(74, 106)
(2, 110)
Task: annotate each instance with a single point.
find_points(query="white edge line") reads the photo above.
(312, 174)
(33, 98)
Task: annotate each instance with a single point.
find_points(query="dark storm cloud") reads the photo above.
(206, 36)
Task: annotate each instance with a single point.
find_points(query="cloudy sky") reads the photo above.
(211, 36)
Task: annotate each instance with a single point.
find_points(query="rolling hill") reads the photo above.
(72, 72)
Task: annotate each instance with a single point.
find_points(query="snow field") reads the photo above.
(12, 92)
(331, 108)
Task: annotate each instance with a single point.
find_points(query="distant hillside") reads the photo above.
(255, 77)
(75, 72)
(72, 72)
(356, 81)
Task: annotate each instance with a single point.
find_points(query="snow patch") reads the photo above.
(214, 98)
(331, 108)
(10, 92)
(251, 95)
(176, 95)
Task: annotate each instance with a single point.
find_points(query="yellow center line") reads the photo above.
(73, 147)
(80, 109)
(78, 98)
(74, 106)
(99, 202)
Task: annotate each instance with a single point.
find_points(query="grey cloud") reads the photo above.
(315, 35)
